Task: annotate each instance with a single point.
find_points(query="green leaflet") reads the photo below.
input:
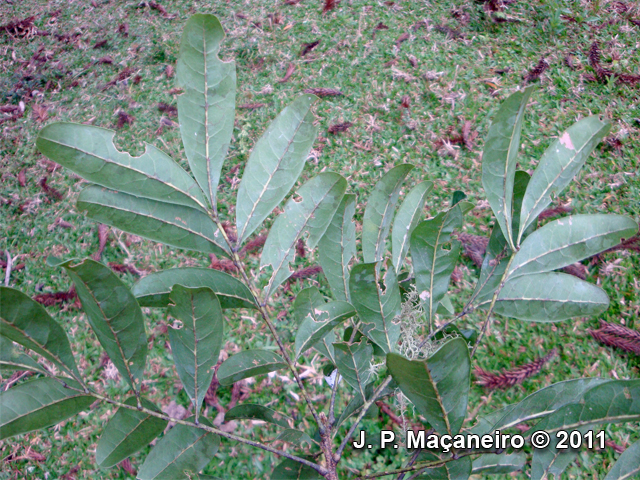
(89, 151)
(39, 403)
(432, 263)
(275, 164)
(354, 364)
(196, 344)
(11, 358)
(628, 465)
(499, 159)
(615, 401)
(492, 269)
(114, 316)
(439, 386)
(550, 297)
(568, 240)
(316, 318)
(320, 197)
(559, 164)
(379, 212)
(248, 363)
(406, 220)
(257, 412)
(26, 322)
(544, 402)
(206, 109)
(153, 290)
(377, 309)
(181, 453)
(127, 432)
(175, 225)
(338, 246)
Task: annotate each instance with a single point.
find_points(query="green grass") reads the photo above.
(455, 79)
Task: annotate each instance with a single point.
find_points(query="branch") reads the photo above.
(237, 261)
(200, 426)
(493, 303)
(362, 413)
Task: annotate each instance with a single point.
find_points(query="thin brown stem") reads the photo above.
(363, 412)
(237, 261)
(201, 426)
(491, 306)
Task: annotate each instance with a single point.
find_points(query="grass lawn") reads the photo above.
(413, 75)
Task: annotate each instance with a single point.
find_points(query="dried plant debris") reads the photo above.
(536, 72)
(329, 5)
(449, 32)
(324, 92)
(475, 246)
(160, 9)
(339, 127)
(301, 251)
(120, 268)
(224, 264)
(57, 298)
(631, 244)
(24, 28)
(617, 336)
(22, 178)
(123, 29)
(381, 26)
(602, 73)
(253, 245)
(169, 110)
(515, 376)
(103, 235)
(555, 211)
(307, 47)
(100, 44)
(306, 272)
(49, 190)
(290, 69)
(124, 119)
(252, 106)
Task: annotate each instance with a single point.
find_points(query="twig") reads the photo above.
(200, 426)
(411, 461)
(493, 303)
(361, 415)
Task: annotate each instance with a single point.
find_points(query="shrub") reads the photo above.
(373, 315)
